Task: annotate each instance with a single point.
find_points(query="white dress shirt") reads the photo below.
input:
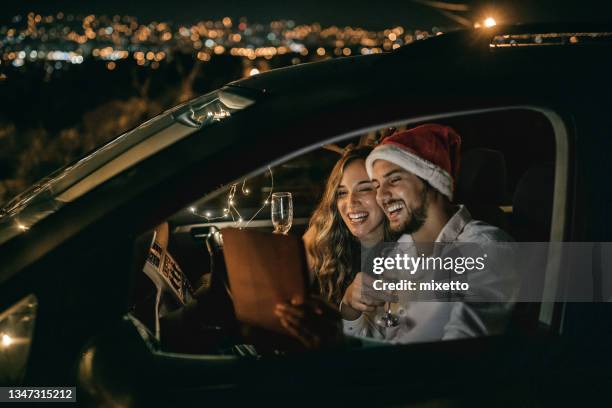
(426, 321)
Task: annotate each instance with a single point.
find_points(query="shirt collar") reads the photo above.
(451, 230)
(455, 225)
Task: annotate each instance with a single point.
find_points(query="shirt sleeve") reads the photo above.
(464, 322)
(363, 326)
(477, 319)
(354, 327)
(487, 306)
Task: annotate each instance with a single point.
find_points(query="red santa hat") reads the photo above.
(429, 151)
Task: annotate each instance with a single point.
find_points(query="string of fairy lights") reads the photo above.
(231, 206)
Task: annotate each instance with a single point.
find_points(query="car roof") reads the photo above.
(469, 48)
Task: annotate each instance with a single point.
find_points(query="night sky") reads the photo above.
(367, 14)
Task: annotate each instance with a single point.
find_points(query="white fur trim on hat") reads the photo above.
(436, 176)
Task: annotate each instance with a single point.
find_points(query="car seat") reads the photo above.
(482, 185)
(532, 204)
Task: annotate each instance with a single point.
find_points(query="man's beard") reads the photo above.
(417, 216)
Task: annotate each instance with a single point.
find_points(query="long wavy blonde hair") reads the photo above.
(332, 250)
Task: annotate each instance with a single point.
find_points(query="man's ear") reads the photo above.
(433, 194)
(429, 190)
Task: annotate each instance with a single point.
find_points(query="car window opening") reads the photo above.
(182, 293)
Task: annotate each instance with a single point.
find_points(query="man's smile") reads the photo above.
(394, 208)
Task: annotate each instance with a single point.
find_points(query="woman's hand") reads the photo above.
(361, 297)
(314, 322)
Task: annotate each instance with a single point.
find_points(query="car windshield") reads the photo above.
(72, 181)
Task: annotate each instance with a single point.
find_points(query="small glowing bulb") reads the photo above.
(253, 71)
(240, 219)
(490, 22)
(226, 215)
(225, 210)
(192, 210)
(232, 202)
(266, 202)
(247, 191)
(22, 227)
(208, 214)
(6, 340)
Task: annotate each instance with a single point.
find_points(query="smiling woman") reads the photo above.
(346, 218)
(356, 198)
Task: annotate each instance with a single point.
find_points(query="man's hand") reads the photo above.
(314, 322)
(360, 297)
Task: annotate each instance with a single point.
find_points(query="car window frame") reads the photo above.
(552, 278)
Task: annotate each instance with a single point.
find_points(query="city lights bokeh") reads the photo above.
(64, 39)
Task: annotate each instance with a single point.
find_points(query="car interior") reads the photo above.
(506, 179)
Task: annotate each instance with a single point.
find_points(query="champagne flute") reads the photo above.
(282, 212)
(387, 318)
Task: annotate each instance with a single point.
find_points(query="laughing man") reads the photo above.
(414, 172)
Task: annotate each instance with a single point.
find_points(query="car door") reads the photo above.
(362, 374)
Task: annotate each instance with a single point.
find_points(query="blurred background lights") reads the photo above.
(6, 340)
(71, 39)
(490, 22)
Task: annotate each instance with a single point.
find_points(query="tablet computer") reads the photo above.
(263, 269)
